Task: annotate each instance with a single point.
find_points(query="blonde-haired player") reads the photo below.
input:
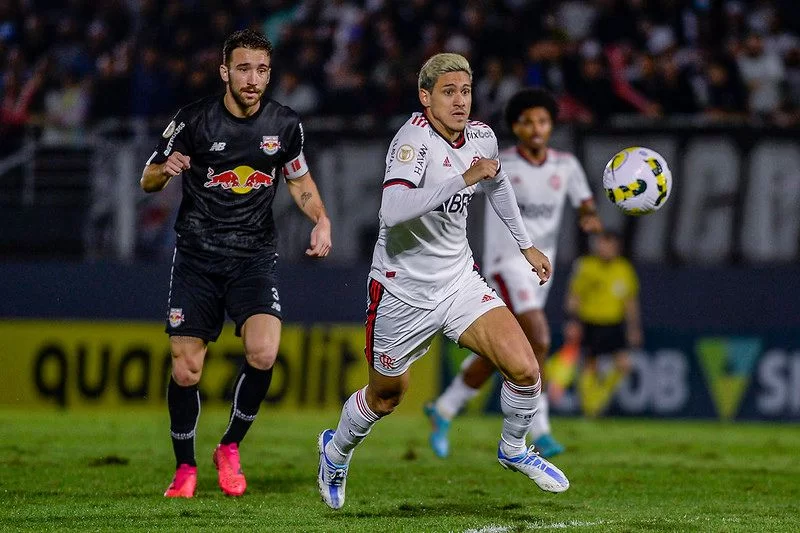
(422, 279)
(543, 179)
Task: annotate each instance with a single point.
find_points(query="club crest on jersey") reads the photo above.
(176, 317)
(475, 159)
(386, 361)
(270, 144)
(555, 181)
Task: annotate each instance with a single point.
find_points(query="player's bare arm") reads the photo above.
(539, 263)
(482, 169)
(588, 219)
(306, 196)
(156, 175)
(633, 323)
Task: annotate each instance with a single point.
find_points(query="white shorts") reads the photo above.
(398, 333)
(518, 285)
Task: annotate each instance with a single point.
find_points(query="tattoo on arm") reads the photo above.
(304, 198)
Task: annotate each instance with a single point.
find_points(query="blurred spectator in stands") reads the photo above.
(779, 40)
(492, 91)
(293, 92)
(69, 54)
(111, 97)
(725, 92)
(618, 21)
(354, 52)
(619, 57)
(66, 109)
(35, 40)
(763, 74)
(346, 78)
(589, 83)
(577, 17)
(280, 17)
(543, 65)
(789, 114)
(19, 92)
(676, 93)
(150, 89)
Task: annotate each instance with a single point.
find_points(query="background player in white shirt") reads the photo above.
(542, 179)
(422, 279)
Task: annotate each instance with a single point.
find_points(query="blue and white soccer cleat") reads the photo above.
(331, 478)
(547, 446)
(439, 439)
(546, 475)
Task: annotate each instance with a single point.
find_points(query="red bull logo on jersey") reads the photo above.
(270, 144)
(240, 180)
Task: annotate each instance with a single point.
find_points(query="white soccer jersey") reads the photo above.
(422, 260)
(541, 191)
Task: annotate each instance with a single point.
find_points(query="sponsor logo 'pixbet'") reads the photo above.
(479, 134)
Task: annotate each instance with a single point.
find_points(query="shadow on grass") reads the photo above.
(467, 509)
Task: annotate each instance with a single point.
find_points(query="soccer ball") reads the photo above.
(637, 180)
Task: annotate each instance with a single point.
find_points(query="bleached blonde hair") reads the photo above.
(440, 64)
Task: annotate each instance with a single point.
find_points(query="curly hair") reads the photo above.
(526, 99)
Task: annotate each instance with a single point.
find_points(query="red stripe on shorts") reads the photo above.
(504, 294)
(375, 292)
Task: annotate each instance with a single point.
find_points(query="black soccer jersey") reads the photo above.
(235, 164)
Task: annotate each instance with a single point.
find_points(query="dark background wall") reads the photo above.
(725, 299)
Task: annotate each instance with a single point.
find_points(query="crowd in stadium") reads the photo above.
(68, 64)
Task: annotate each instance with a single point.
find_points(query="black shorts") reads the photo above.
(599, 340)
(202, 291)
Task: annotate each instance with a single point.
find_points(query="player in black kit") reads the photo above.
(233, 151)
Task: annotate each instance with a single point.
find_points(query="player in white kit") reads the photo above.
(423, 280)
(542, 179)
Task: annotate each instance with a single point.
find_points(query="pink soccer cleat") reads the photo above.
(184, 482)
(229, 470)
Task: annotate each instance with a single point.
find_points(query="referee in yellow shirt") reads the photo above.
(603, 306)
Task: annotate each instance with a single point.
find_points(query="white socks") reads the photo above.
(519, 405)
(355, 423)
(541, 420)
(454, 398)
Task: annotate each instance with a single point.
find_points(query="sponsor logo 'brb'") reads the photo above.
(240, 180)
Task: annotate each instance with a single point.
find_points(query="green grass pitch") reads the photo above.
(107, 471)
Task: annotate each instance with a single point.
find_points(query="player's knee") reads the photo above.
(187, 364)
(186, 375)
(261, 356)
(386, 405)
(524, 371)
(383, 402)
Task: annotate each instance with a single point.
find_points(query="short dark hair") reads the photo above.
(245, 39)
(526, 99)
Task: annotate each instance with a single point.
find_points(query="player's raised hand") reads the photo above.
(539, 262)
(175, 164)
(320, 239)
(482, 169)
